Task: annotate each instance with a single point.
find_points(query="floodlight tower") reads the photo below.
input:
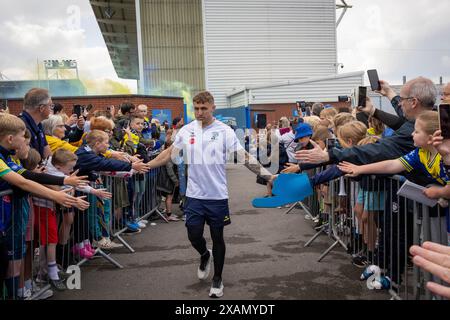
(343, 6)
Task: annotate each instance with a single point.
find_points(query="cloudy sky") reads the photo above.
(400, 37)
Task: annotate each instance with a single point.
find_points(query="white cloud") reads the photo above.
(400, 37)
(396, 37)
(58, 31)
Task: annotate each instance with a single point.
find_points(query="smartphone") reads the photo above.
(444, 120)
(331, 143)
(3, 104)
(362, 95)
(374, 80)
(78, 110)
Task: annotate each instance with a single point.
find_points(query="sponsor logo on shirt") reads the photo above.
(192, 138)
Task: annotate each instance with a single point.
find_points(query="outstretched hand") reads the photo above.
(434, 258)
(75, 181)
(350, 169)
(291, 168)
(315, 155)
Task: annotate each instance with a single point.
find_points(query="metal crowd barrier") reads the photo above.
(38, 232)
(377, 227)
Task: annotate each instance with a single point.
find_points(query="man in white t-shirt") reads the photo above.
(206, 143)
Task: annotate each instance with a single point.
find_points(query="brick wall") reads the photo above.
(101, 102)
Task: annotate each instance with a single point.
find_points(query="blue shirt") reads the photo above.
(422, 160)
(38, 140)
(5, 200)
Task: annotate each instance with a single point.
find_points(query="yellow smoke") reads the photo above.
(178, 89)
(105, 87)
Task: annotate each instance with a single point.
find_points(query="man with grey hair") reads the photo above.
(37, 106)
(416, 96)
(317, 108)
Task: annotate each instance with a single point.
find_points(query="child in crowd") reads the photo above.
(168, 181)
(62, 164)
(369, 203)
(327, 116)
(136, 185)
(425, 158)
(348, 135)
(12, 138)
(91, 161)
(376, 127)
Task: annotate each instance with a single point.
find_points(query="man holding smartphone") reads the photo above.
(416, 96)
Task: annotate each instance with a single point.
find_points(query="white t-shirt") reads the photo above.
(205, 152)
(288, 140)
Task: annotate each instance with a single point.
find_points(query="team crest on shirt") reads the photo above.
(214, 136)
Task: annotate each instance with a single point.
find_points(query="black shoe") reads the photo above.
(129, 232)
(64, 275)
(58, 285)
(360, 261)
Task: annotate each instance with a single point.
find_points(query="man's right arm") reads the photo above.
(163, 158)
(392, 121)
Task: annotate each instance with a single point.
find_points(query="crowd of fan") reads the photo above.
(54, 199)
(53, 163)
(369, 145)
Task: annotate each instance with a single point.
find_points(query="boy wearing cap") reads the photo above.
(303, 134)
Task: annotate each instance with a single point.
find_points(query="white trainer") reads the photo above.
(141, 224)
(216, 292)
(203, 274)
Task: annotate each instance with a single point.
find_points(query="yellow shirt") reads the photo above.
(55, 144)
(4, 168)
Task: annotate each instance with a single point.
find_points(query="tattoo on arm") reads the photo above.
(253, 165)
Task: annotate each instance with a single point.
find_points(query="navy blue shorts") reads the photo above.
(215, 212)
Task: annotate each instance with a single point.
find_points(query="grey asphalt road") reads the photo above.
(265, 259)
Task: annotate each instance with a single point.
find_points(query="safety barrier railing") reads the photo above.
(39, 240)
(374, 224)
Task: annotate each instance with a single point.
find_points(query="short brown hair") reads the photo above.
(35, 97)
(355, 130)
(203, 97)
(321, 133)
(33, 160)
(430, 121)
(328, 114)
(101, 123)
(63, 156)
(10, 125)
(342, 118)
(96, 136)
